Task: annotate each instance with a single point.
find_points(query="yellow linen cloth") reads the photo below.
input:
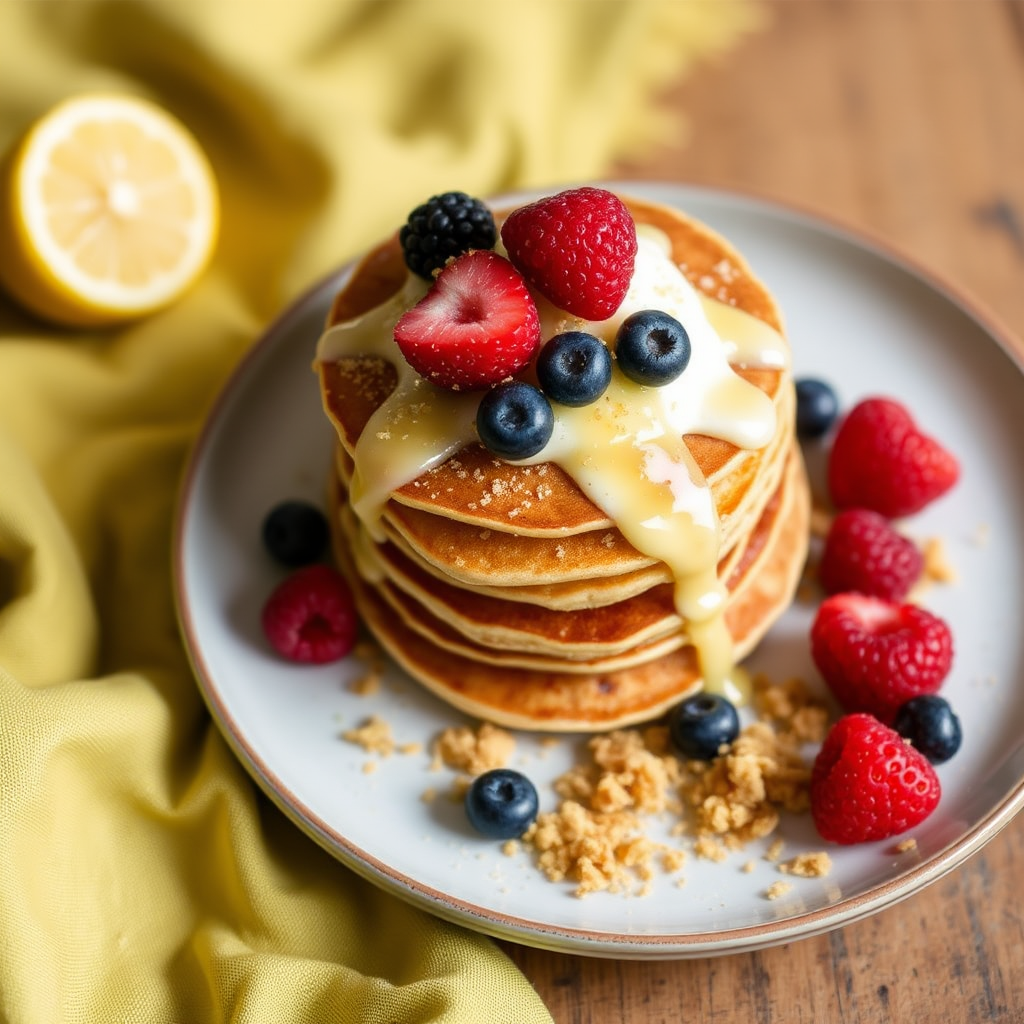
(143, 877)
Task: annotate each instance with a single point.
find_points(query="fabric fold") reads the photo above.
(145, 877)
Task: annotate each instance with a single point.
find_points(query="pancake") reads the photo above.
(597, 696)
(537, 593)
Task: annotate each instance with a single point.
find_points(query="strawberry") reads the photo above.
(864, 553)
(867, 783)
(577, 248)
(476, 326)
(880, 460)
(310, 616)
(876, 654)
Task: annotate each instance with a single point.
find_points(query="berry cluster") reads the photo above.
(478, 326)
(882, 658)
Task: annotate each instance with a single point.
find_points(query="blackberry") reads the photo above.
(444, 226)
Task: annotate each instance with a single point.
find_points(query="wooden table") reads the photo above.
(906, 118)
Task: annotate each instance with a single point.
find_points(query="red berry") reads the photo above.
(876, 654)
(864, 553)
(880, 460)
(476, 326)
(867, 783)
(310, 616)
(577, 248)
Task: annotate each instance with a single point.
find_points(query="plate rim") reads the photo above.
(505, 926)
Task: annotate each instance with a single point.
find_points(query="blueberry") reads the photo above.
(931, 726)
(652, 347)
(816, 407)
(501, 804)
(514, 420)
(574, 368)
(701, 724)
(295, 533)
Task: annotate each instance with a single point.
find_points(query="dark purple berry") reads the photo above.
(652, 347)
(817, 407)
(295, 533)
(443, 227)
(501, 804)
(702, 724)
(514, 420)
(931, 726)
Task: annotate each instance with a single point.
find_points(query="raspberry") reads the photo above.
(876, 654)
(868, 784)
(577, 248)
(881, 461)
(310, 616)
(476, 326)
(445, 226)
(864, 553)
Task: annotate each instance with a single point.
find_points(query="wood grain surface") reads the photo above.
(904, 118)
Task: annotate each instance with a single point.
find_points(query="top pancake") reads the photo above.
(544, 501)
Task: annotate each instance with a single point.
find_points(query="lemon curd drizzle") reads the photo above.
(625, 451)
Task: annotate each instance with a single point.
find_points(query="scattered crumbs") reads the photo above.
(460, 786)
(369, 767)
(738, 796)
(821, 521)
(414, 747)
(937, 567)
(543, 491)
(774, 852)
(559, 551)
(374, 735)
(790, 706)
(777, 889)
(908, 845)
(485, 499)
(595, 838)
(808, 865)
(485, 534)
(510, 848)
(474, 751)
(672, 859)
(366, 685)
(748, 867)
(608, 540)
(707, 282)
(709, 848)
(383, 435)
(498, 486)
(513, 512)
(428, 796)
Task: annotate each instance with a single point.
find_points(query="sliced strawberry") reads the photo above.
(476, 326)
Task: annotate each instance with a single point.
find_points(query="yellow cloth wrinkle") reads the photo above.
(144, 876)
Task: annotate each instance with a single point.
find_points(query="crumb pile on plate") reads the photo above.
(503, 586)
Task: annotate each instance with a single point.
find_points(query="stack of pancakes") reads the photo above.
(506, 592)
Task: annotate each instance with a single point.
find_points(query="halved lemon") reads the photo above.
(108, 211)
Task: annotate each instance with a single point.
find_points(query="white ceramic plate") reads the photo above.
(858, 316)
